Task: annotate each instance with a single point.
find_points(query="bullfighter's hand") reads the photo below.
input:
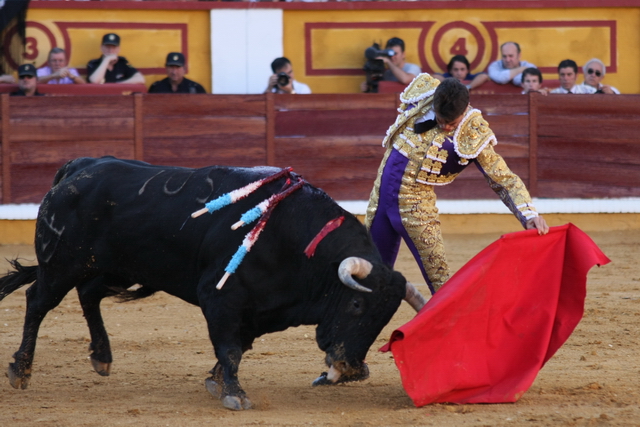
(538, 223)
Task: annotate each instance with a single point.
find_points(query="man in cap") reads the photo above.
(27, 82)
(175, 81)
(111, 68)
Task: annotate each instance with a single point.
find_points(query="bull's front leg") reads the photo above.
(226, 337)
(224, 384)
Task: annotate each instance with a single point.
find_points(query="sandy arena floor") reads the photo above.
(162, 355)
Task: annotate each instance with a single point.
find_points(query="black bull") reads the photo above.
(107, 224)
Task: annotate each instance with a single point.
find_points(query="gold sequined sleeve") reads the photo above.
(507, 185)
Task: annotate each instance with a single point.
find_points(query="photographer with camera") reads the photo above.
(393, 58)
(282, 81)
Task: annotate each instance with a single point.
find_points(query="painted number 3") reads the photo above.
(459, 47)
(31, 49)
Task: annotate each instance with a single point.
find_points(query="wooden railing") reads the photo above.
(561, 145)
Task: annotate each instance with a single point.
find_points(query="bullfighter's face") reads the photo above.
(447, 126)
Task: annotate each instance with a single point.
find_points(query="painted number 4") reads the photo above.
(459, 47)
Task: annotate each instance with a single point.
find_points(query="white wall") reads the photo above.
(243, 45)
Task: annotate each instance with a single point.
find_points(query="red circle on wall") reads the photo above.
(462, 25)
(13, 62)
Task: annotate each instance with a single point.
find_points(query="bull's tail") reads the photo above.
(18, 278)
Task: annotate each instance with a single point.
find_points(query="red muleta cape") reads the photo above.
(483, 337)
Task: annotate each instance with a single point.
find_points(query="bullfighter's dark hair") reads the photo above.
(568, 63)
(279, 63)
(450, 99)
(395, 41)
(532, 71)
(458, 58)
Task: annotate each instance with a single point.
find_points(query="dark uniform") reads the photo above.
(186, 86)
(23, 71)
(122, 70)
(21, 93)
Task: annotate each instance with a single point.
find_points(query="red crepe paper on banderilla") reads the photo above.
(483, 337)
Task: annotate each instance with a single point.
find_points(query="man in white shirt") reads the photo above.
(282, 80)
(567, 74)
(594, 72)
(510, 67)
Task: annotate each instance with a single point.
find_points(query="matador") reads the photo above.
(436, 135)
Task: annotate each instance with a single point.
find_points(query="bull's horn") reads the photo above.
(354, 266)
(414, 298)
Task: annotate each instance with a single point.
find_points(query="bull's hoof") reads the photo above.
(236, 403)
(17, 381)
(321, 380)
(359, 375)
(101, 368)
(213, 387)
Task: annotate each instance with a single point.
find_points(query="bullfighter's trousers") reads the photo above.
(407, 209)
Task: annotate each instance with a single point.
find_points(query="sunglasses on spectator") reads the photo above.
(591, 71)
(26, 77)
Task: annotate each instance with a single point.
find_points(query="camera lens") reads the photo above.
(283, 79)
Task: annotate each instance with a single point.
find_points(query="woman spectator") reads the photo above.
(459, 68)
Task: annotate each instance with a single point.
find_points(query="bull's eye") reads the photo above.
(356, 306)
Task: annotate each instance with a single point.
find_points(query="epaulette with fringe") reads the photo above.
(472, 135)
(415, 99)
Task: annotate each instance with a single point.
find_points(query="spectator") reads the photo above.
(27, 82)
(594, 72)
(282, 80)
(510, 67)
(57, 72)
(7, 79)
(567, 74)
(175, 81)
(532, 81)
(459, 68)
(398, 70)
(111, 68)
